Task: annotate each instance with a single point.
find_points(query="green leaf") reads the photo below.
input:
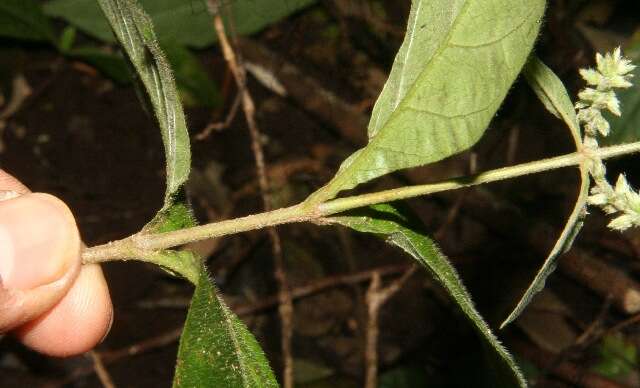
(186, 22)
(175, 217)
(386, 221)
(563, 244)
(194, 84)
(216, 349)
(134, 31)
(454, 68)
(251, 16)
(24, 19)
(178, 263)
(551, 91)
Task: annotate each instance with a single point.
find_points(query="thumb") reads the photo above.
(39, 256)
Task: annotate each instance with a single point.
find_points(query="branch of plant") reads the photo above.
(141, 245)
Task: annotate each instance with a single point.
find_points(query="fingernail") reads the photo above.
(38, 241)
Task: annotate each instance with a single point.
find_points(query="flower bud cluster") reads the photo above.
(612, 72)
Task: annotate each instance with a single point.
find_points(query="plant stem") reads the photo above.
(130, 247)
(573, 159)
(342, 204)
(122, 249)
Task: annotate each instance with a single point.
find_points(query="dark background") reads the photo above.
(86, 139)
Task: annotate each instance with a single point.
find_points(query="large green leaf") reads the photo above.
(134, 31)
(387, 222)
(454, 68)
(23, 19)
(551, 91)
(216, 349)
(184, 21)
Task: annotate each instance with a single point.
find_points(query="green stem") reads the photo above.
(342, 204)
(143, 245)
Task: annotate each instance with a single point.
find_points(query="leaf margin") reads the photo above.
(134, 30)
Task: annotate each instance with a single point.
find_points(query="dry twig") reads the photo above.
(21, 91)
(612, 330)
(222, 124)
(595, 326)
(281, 171)
(101, 371)
(239, 72)
(376, 297)
(621, 325)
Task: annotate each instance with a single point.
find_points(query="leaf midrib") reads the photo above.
(231, 332)
(398, 98)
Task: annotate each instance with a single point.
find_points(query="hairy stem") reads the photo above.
(131, 247)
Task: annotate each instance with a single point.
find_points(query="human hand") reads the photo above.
(51, 302)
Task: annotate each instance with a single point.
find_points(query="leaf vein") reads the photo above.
(499, 39)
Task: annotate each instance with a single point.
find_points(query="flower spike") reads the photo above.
(612, 72)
